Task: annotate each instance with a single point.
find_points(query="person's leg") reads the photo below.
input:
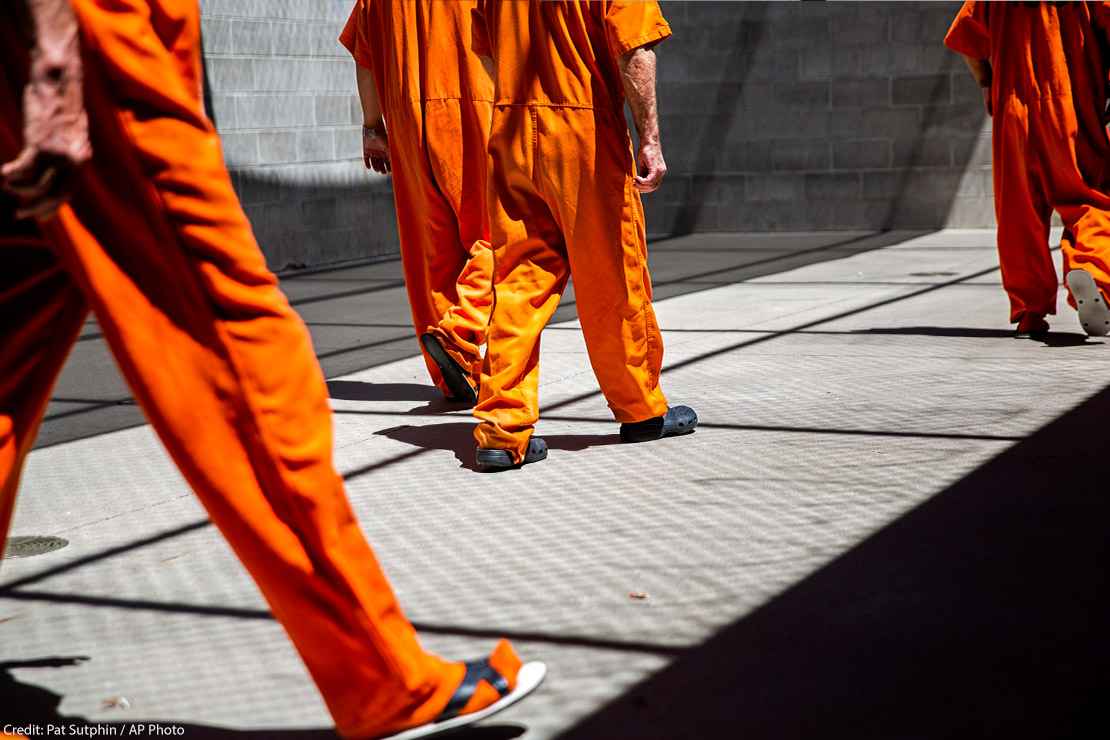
(457, 134)
(529, 275)
(225, 372)
(41, 313)
(41, 310)
(1076, 173)
(1023, 215)
(603, 222)
(431, 255)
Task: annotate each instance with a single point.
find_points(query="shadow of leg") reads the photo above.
(353, 390)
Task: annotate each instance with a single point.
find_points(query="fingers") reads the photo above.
(41, 209)
(28, 187)
(650, 181)
(42, 183)
(377, 160)
(19, 169)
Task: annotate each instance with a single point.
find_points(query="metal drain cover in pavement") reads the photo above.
(28, 547)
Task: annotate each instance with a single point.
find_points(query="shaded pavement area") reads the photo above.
(891, 523)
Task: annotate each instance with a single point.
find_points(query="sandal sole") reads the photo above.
(453, 375)
(1094, 316)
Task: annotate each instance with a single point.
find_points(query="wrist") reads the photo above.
(374, 127)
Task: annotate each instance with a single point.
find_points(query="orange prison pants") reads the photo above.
(439, 185)
(563, 204)
(156, 245)
(1040, 166)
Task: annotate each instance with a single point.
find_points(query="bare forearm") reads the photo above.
(368, 96)
(638, 76)
(52, 27)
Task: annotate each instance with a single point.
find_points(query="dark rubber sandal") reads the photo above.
(490, 459)
(476, 670)
(677, 421)
(454, 377)
(529, 677)
(1032, 325)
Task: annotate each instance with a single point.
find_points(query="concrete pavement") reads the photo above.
(840, 548)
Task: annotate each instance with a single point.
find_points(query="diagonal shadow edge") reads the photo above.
(431, 628)
(979, 613)
(738, 345)
(852, 245)
(173, 532)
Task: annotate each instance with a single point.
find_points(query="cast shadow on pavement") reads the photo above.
(25, 705)
(1051, 339)
(980, 613)
(353, 390)
(458, 437)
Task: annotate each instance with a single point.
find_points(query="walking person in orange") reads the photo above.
(415, 69)
(1043, 69)
(114, 198)
(565, 201)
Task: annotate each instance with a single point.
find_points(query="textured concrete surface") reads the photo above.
(885, 527)
(774, 116)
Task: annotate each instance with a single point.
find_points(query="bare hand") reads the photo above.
(375, 149)
(55, 133)
(651, 167)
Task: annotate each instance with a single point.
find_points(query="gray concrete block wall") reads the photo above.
(775, 116)
(282, 92)
(836, 115)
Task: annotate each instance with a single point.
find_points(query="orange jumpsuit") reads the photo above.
(155, 244)
(436, 97)
(1050, 146)
(562, 203)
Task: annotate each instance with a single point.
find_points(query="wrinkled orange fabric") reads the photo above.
(436, 98)
(155, 243)
(1050, 147)
(562, 203)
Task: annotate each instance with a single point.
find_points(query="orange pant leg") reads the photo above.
(41, 313)
(530, 272)
(565, 204)
(41, 310)
(439, 180)
(1023, 213)
(457, 142)
(1077, 173)
(225, 372)
(588, 153)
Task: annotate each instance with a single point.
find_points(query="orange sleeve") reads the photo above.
(630, 24)
(969, 34)
(479, 31)
(354, 36)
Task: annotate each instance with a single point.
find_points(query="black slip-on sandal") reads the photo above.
(529, 677)
(490, 459)
(678, 420)
(454, 376)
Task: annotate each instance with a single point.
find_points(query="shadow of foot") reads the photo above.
(458, 437)
(1051, 339)
(354, 390)
(1064, 339)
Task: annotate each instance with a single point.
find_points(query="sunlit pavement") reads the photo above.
(799, 567)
